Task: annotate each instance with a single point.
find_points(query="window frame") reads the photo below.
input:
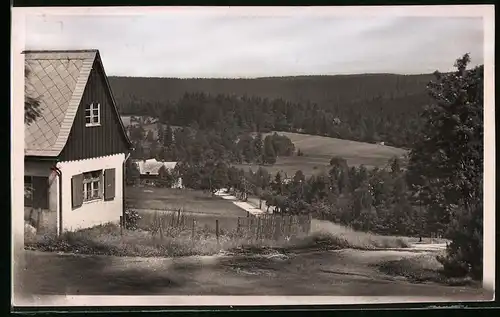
(94, 106)
(88, 178)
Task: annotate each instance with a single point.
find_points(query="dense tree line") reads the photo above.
(376, 200)
(318, 89)
(196, 146)
(367, 108)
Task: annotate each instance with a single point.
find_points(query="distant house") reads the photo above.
(75, 151)
(150, 170)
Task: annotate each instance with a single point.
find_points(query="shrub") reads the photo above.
(131, 219)
(464, 256)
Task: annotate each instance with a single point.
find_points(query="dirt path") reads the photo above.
(327, 273)
(252, 209)
(251, 205)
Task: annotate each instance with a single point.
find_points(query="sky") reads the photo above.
(227, 45)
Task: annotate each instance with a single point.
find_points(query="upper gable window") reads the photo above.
(93, 114)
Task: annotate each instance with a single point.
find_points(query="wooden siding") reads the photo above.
(107, 138)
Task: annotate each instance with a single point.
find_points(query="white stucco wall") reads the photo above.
(95, 212)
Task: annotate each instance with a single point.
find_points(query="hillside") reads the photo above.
(366, 108)
(324, 90)
(319, 150)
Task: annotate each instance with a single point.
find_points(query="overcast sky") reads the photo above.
(215, 45)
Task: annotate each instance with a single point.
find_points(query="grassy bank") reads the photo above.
(421, 269)
(355, 239)
(182, 241)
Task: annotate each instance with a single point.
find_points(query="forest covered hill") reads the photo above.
(323, 90)
(366, 107)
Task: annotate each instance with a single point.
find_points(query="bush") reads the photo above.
(131, 219)
(464, 256)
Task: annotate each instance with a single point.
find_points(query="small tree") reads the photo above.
(168, 136)
(269, 155)
(132, 173)
(150, 136)
(32, 108)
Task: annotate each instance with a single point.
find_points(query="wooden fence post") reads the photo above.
(248, 214)
(217, 230)
(309, 220)
(37, 220)
(179, 217)
(283, 227)
(192, 230)
(238, 226)
(259, 229)
(290, 219)
(121, 225)
(161, 227)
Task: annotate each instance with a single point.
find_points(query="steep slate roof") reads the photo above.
(152, 166)
(58, 80)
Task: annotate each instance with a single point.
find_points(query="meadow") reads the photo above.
(318, 150)
(205, 208)
(190, 201)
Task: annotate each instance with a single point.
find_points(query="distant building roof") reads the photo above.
(57, 79)
(126, 120)
(152, 166)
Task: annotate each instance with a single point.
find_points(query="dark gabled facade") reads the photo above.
(108, 138)
(65, 83)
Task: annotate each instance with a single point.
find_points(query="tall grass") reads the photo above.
(107, 240)
(183, 241)
(350, 238)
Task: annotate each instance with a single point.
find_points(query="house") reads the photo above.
(75, 152)
(150, 171)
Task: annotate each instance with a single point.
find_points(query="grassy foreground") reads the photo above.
(107, 240)
(421, 269)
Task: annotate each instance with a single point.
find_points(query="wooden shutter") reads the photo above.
(40, 192)
(109, 184)
(77, 190)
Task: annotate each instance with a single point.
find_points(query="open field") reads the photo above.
(318, 151)
(203, 207)
(190, 201)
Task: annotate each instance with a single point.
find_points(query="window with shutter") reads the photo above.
(77, 190)
(109, 181)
